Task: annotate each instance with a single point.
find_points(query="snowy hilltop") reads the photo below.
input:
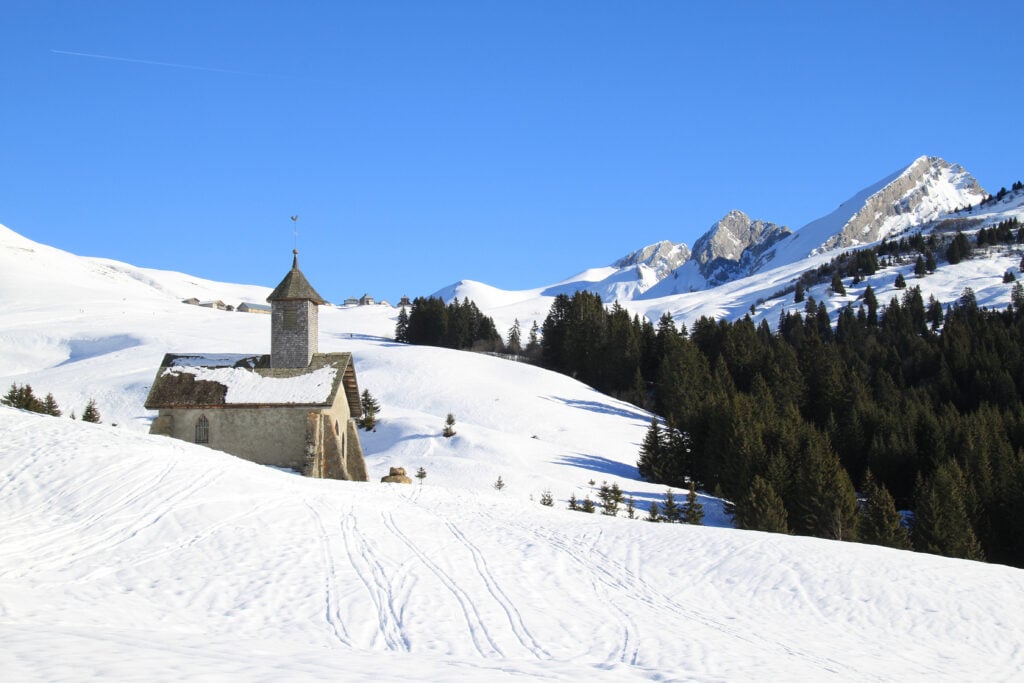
(126, 555)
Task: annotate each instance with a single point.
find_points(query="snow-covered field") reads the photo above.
(128, 556)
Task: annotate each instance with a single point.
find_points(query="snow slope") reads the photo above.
(129, 556)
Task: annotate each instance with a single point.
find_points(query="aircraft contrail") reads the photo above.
(151, 63)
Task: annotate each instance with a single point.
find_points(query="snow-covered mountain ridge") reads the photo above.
(737, 246)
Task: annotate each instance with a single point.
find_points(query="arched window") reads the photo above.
(202, 430)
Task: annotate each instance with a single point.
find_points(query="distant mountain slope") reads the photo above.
(737, 246)
(922, 192)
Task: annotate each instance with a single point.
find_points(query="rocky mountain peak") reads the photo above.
(662, 257)
(733, 235)
(930, 186)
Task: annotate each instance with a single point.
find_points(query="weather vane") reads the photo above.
(295, 233)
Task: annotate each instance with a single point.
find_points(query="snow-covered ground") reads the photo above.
(124, 555)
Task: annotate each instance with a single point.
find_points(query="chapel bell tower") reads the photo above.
(294, 325)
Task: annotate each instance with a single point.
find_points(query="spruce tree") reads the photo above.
(693, 510)
(588, 505)
(881, 523)
(23, 398)
(653, 512)
(652, 461)
(761, 509)
(402, 326)
(900, 283)
(573, 503)
(513, 344)
(610, 497)
(920, 269)
(370, 407)
(91, 413)
(421, 474)
(49, 406)
(499, 484)
(630, 508)
(449, 427)
(670, 510)
(547, 499)
(941, 524)
(837, 284)
(533, 341)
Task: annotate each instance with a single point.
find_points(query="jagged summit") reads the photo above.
(921, 192)
(732, 246)
(737, 247)
(662, 257)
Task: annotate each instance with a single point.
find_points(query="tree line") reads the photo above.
(21, 396)
(828, 430)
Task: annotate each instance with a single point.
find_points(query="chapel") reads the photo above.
(294, 408)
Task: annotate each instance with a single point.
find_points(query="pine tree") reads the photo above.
(23, 398)
(610, 497)
(402, 326)
(421, 474)
(653, 456)
(837, 284)
(630, 508)
(798, 294)
(499, 485)
(49, 406)
(670, 510)
(920, 269)
(91, 413)
(512, 342)
(547, 499)
(533, 341)
(900, 283)
(370, 407)
(588, 505)
(693, 510)
(881, 523)
(1017, 297)
(941, 524)
(871, 301)
(653, 512)
(449, 427)
(573, 503)
(761, 509)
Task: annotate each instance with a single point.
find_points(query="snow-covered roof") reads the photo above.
(237, 380)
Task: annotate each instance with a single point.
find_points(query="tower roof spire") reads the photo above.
(295, 286)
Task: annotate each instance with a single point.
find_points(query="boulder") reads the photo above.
(396, 476)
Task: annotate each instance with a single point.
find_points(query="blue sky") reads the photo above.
(516, 143)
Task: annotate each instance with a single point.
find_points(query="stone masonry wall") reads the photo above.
(294, 330)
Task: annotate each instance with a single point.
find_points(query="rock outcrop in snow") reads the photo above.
(922, 192)
(928, 187)
(662, 258)
(733, 246)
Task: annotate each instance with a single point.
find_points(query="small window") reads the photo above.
(291, 318)
(202, 430)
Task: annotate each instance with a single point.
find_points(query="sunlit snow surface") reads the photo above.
(125, 555)
(129, 556)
